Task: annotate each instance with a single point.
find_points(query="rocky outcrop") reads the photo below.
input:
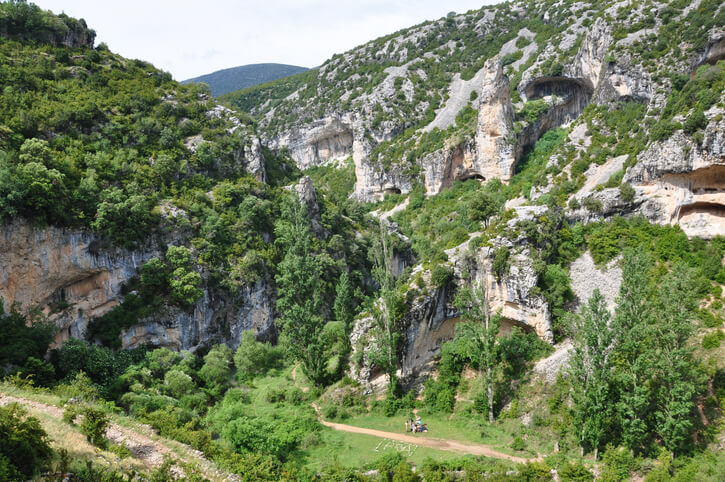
(307, 196)
(326, 139)
(71, 276)
(253, 159)
(373, 181)
(494, 133)
(66, 273)
(683, 182)
(432, 316)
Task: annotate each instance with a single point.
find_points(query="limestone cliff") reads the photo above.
(72, 276)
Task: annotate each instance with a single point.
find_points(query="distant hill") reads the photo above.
(235, 78)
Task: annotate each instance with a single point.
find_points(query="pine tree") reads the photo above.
(591, 373)
(479, 335)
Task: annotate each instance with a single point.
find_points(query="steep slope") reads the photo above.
(235, 78)
(392, 103)
(106, 166)
(588, 110)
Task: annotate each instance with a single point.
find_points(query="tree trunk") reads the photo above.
(596, 453)
(490, 395)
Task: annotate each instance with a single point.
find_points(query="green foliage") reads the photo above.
(518, 444)
(94, 424)
(22, 341)
(575, 472)
(535, 472)
(532, 110)
(299, 297)
(24, 445)
(441, 275)
(501, 262)
(590, 371)
(712, 340)
(216, 370)
(254, 358)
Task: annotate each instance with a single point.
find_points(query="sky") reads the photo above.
(192, 38)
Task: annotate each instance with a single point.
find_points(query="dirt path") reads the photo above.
(434, 443)
(150, 452)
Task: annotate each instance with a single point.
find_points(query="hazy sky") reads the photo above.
(191, 38)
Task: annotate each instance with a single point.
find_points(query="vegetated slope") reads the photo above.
(132, 160)
(387, 102)
(245, 76)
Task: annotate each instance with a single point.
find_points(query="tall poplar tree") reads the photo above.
(386, 313)
(591, 370)
(631, 324)
(299, 291)
(479, 335)
(675, 371)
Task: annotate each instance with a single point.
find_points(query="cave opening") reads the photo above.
(392, 190)
(472, 175)
(576, 96)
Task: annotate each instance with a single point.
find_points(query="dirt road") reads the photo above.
(144, 448)
(434, 443)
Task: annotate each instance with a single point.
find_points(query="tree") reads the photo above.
(299, 291)
(216, 370)
(479, 334)
(482, 207)
(184, 282)
(630, 330)
(253, 357)
(343, 307)
(674, 366)
(23, 441)
(386, 313)
(591, 373)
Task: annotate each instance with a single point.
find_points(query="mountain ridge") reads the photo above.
(244, 76)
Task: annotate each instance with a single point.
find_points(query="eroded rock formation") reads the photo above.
(71, 276)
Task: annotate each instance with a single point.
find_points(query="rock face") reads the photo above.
(326, 139)
(432, 317)
(586, 277)
(683, 182)
(494, 133)
(253, 160)
(72, 278)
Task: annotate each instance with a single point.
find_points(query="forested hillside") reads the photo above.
(507, 222)
(228, 80)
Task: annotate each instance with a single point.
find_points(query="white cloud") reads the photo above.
(194, 38)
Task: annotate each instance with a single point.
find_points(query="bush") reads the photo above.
(575, 472)
(712, 340)
(254, 358)
(441, 275)
(518, 443)
(94, 424)
(535, 472)
(626, 192)
(24, 446)
(501, 263)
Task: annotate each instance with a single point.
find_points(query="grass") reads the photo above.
(356, 450)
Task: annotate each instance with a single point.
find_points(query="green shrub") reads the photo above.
(712, 340)
(94, 425)
(254, 358)
(518, 444)
(501, 263)
(535, 472)
(24, 445)
(441, 275)
(575, 472)
(626, 192)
